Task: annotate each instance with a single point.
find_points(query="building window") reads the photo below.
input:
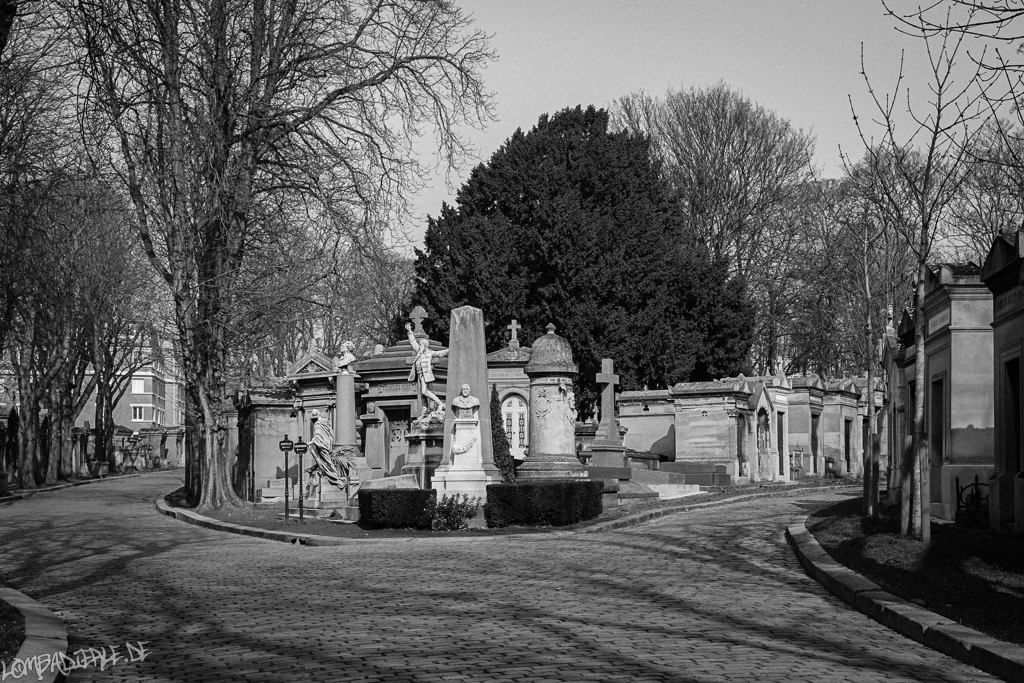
(938, 423)
(137, 413)
(815, 420)
(847, 446)
(138, 386)
(780, 434)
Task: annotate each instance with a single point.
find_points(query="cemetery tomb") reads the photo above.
(392, 443)
(1003, 274)
(959, 408)
(806, 403)
(505, 371)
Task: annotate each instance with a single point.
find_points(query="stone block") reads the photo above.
(952, 639)
(910, 620)
(623, 473)
(999, 659)
(644, 476)
(872, 602)
(402, 481)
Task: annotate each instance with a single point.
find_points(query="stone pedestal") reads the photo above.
(606, 455)
(425, 441)
(464, 470)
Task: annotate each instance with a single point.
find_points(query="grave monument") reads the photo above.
(552, 412)
(467, 464)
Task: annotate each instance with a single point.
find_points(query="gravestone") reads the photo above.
(607, 449)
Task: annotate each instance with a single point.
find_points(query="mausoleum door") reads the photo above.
(398, 446)
(515, 420)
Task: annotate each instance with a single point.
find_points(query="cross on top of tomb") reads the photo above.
(417, 317)
(513, 343)
(608, 379)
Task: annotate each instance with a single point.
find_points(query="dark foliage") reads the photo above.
(558, 503)
(397, 508)
(572, 225)
(12, 631)
(499, 439)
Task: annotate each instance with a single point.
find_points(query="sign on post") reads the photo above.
(300, 448)
(285, 445)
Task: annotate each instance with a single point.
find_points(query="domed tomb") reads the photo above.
(552, 430)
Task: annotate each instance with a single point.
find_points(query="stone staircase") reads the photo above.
(632, 486)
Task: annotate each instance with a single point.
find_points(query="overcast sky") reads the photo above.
(798, 58)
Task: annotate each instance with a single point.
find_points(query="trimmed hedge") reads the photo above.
(397, 508)
(555, 503)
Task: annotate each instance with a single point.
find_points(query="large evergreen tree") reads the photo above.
(572, 225)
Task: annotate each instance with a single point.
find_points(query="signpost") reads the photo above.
(301, 448)
(285, 445)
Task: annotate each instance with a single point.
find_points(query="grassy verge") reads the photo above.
(12, 632)
(966, 574)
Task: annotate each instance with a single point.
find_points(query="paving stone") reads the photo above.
(703, 596)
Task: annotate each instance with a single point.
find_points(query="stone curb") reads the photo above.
(640, 518)
(45, 634)
(996, 657)
(315, 540)
(28, 493)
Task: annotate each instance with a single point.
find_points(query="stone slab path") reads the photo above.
(700, 597)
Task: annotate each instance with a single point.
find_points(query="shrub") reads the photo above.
(500, 448)
(556, 503)
(453, 513)
(397, 508)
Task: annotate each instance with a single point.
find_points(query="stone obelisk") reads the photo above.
(467, 364)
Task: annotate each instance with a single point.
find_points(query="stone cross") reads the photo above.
(417, 317)
(609, 380)
(513, 343)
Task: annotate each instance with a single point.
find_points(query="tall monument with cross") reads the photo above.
(607, 449)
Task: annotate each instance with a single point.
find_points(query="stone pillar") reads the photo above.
(345, 410)
(552, 412)
(345, 423)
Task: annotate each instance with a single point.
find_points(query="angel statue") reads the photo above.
(329, 462)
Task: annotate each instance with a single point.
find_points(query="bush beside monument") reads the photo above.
(550, 503)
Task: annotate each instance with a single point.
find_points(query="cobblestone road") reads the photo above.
(703, 596)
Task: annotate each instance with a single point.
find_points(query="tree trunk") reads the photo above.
(870, 457)
(67, 449)
(921, 522)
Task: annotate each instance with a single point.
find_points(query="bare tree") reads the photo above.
(916, 177)
(732, 164)
(214, 110)
(741, 174)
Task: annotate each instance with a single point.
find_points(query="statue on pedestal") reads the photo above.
(328, 462)
(422, 373)
(343, 363)
(465, 442)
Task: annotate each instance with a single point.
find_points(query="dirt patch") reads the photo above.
(966, 574)
(272, 519)
(12, 632)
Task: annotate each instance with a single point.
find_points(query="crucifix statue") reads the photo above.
(514, 327)
(607, 428)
